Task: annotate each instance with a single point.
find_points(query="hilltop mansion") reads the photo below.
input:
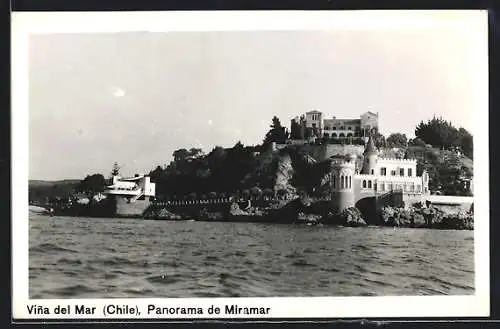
(312, 124)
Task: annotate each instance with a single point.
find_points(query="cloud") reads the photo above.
(118, 92)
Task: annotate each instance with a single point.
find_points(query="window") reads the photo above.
(349, 128)
(334, 128)
(327, 127)
(341, 181)
(369, 184)
(375, 186)
(350, 181)
(364, 184)
(409, 172)
(382, 186)
(333, 181)
(372, 172)
(383, 171)
(418, 188)
(393, 172)
(401, 172)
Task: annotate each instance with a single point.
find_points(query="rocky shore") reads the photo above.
(307, 211)
(431, 217)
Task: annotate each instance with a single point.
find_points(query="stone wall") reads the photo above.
(450, 202)
(133, 209)
(323, 152)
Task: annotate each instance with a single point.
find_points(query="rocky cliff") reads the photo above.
(283, 182)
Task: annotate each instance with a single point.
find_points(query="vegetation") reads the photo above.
(92, 184)
(447, 170)
(296, 131)
(442, 134)
(277, 133)
(116, 169)
(42, 192)
(397, 140)
(253, 170)
(222, 170)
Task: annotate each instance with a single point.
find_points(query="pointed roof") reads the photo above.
(370, 146)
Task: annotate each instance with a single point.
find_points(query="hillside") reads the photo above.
(447, 170)
(40, 190)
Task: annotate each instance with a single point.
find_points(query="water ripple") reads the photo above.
(114, 258)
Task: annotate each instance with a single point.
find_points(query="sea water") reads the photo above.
(73, 257)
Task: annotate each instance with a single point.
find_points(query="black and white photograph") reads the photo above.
(335, 159)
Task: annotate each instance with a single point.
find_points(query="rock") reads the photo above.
(204, 214)
(284, 173)
(333, 219)
(458, 221)
(234, 210)
(418, 220)
(352, 217)
(308, 218)
(431, 217)
(165, 214)
(388, 216)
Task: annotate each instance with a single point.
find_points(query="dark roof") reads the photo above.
(351, 121)
(375, 114)
(313, 111)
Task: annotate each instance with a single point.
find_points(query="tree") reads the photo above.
(440, 133)
(397, 140)
(116, 169)
(276, 134)
(195, 152)
(156, 174)
(466, 142)
(416, 142)
(378, 139)
(437, 132)
(92, 184)
(180, 155)
(295, 130)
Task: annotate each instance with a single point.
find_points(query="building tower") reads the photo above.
(369, 158)
(342, 181)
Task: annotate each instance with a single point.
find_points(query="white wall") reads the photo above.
(397, 164)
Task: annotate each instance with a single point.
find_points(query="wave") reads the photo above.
(69, 261)
(74, 290)
(113, 261)
(165, 279)
(50, 247)
(303, 263)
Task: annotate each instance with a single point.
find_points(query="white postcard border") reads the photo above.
(26, 23)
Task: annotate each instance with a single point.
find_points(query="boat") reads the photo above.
(40, 210)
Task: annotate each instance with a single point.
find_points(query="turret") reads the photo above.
(369, 158)
(342, 182)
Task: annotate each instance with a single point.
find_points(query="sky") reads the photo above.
(135, 97)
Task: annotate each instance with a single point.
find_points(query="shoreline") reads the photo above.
(298, 212)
